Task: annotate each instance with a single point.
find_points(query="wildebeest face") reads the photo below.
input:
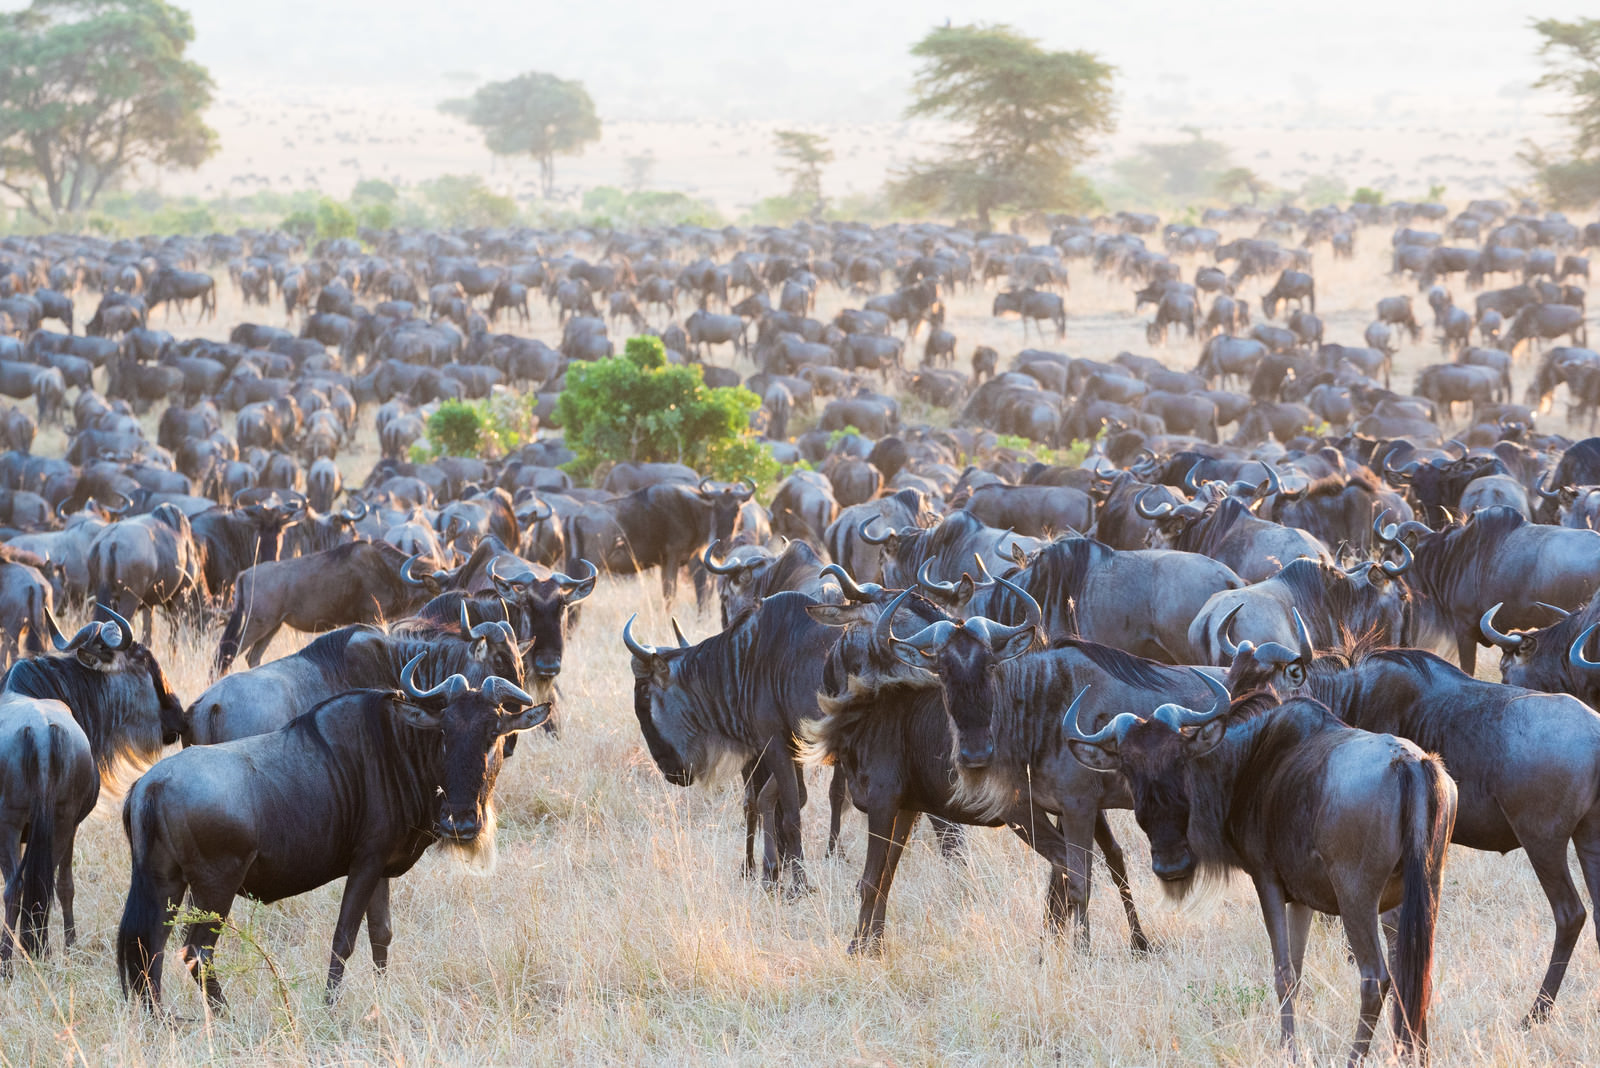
(663, 709)
(968, 667)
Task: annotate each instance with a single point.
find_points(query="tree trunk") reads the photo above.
(547, 174)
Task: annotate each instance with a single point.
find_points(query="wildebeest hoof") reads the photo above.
(866, 947)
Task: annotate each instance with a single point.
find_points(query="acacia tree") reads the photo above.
(534, 114)
(804, 156)
(1029, 116)
(91, 88)
(1571, 55)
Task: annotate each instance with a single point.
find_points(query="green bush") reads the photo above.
(639, 407)
(334, 219)
(375, 216)
(1367, 195)
(484, 428)
(457, 429)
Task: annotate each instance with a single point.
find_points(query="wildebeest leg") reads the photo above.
(1117, 864)
(359, 889)
(200, 940)
(380, 925)
(952, 838)
(1299, 930)
(791, 797)
(64, 885)
(149, 621)
(838, 794)
(754, 779)
(887, 832)
(1274, 915)
(1549, 860)
(10, 860)
(257, 648)
(765, 807)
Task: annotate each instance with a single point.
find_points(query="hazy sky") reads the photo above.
(833, 60)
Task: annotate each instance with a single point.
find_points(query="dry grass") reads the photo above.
(617, 930)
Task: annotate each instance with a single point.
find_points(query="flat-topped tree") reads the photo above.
(533, 114)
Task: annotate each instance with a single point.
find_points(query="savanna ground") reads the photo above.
(617, 929)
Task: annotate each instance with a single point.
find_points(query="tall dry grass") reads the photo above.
(617, 930)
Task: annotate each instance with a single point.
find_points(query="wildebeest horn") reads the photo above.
(495, 630)
(448, 689)
(123, 627)
(61, 508)
(1104, 469)
(59, 640)
(294, 501)
(1107, 737)
(504, 691)
(677, 632)
(749, 489)
(1401, 475)
(1177, 717)
(1225, 634)
(579, 587)
(247, 497)
(120, 509)
(1575, 655)
(704, 482)
(1557, 609)
(1150, 513)
(466, 620)
(643, 652)
(538, 513)
(883, 629)
(717, 567)
(1189, 480)
(1273, 486)
(1547, 494)
(355, 516)
(521, 578)
(852, 592)
(927, 581)
(1394, 570)
(1487, 629)
(868, 538)
(405, 571)
(1302, 634)
(1459, 445)
(998, 633)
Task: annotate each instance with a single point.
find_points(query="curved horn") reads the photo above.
(503, 691)
(1164, 508)
(1547, 494)
(868, 538)
(717, 567)
(1395, 570)
(927, 581)
(494, 630)
(1189, 479)
(61, 506)
(1225, 632)
(643, 652)
(538, 514)
(1177, 717)
(60, 641)
(406, 575)
(852, 592)
(577, 588)
(466, 620)
(1383, 533)
(1575, 655)
(120, 509)
(749, 489)
(1302, 634)
(1273, 485)
(1557, 609)
(883, 629)
(704, 482)
(358, 516)
(996, 634)
(449, 688)
(1107, 737)
(124, 628)
(677, 632)
(1486, 627)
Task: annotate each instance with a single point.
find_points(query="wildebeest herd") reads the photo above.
(1205, 589)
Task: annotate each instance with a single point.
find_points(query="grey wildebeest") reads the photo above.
(1320, 815)
(359, 787)
(69, 724)
(1032, 304)
(1527, 763)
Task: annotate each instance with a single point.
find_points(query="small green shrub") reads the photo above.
(457, 429)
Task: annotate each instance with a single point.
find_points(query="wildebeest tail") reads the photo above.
(228, 646)
(35, 643)
(1427, 814)
(37, 873)
(144, 914)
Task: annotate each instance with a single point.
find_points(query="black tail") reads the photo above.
(1427, 814)
(142, 932)
(37, 874)
(228, 647)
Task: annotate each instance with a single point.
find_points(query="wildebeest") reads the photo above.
(1035, 305)
(359, 788)
(1297, 286)
(1527, 763)
(1321, 816)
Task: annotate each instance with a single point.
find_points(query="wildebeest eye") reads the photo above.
(1528, 645)
(1295, 673)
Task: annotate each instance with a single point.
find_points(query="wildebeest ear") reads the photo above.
(417, 716)
(1016, 645)
(1208, 737)
(1093, 757)
(837, 615)
(525, 720)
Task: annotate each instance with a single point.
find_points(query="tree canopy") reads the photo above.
(90, 88)
(804, 155)
(1571, 55)
(534, 114)
(1029, 116)
(1178, 172)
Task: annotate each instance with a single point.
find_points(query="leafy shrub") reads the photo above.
(484, 428)
(457, 429)
(334, 219)
(639, 407)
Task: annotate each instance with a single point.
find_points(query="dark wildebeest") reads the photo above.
(1037, 511)
(1527, 763)
(905, 747)
(139, 563)
(1297, 286)
(1542, 322)
(70, 724)
(1321, 816)
(359, 788)
(1496, 556)
(750, 574)
(1035, 305)
(663, 526)
(1226, 530)
(361, 582)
